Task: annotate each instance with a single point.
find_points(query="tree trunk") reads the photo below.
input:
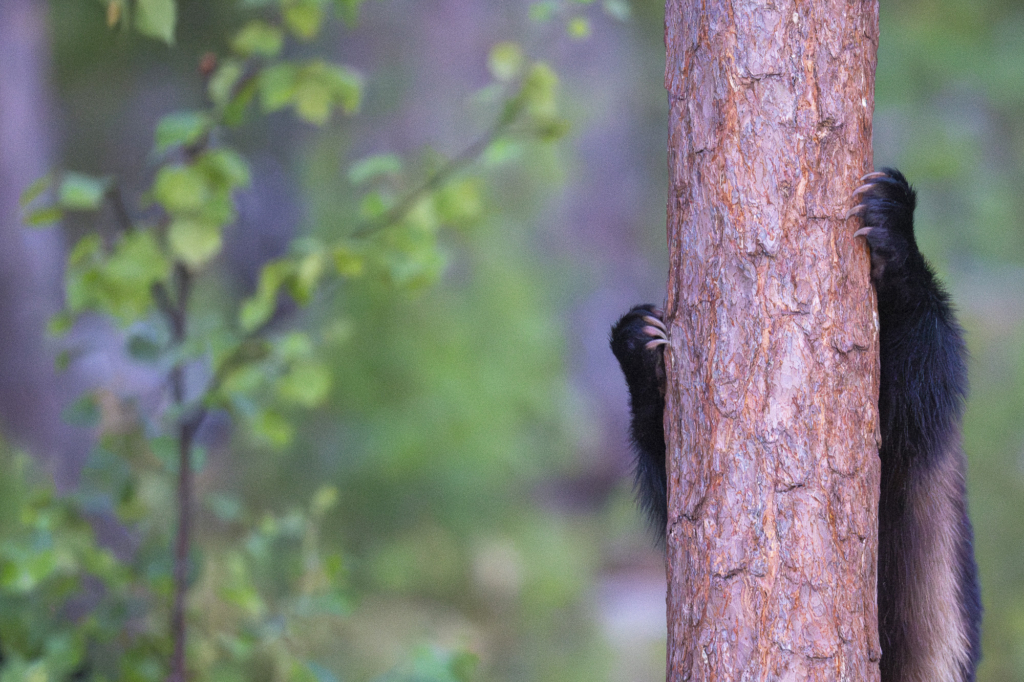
(771, 418)
(32, 395)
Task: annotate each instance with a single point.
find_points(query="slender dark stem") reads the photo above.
(116, 198)
(175, 312)
(181, 551)
(438, 178)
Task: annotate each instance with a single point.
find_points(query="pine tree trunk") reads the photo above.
(772, 421)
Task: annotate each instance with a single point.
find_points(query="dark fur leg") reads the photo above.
(928, 596)
(637, 341)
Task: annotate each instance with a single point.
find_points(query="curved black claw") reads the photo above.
(641, 329)
(886, 207)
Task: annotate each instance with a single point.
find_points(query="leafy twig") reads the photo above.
(440, 176)
(176, 313)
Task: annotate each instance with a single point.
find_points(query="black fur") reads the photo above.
(922, 391)
(644, 368)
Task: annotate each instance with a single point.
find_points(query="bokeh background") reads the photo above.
(476, 428)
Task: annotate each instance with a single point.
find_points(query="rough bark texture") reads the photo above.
(772, 422)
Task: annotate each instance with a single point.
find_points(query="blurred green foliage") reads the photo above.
(461, 428)
(72, 609)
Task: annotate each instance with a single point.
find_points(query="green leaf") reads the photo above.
(219, 209)
(374, 205)
(119, 284)
(242, 594)
(234, 110)
(33, 191)
(223, 81)
(260, 306)
(308, 272)
(181, 189)
(459, 203)
(313, 101)
(254, 312)
(81, 192)
(324, 499)
(226, 167)
(501, 152)
(137, 261)
(44, 216)
(336, 332)
(539, 91)
(306, 383)
(349, 262)
(85, 250)
(314, 89)
(194, 241)
(372, 167)
(295, 345)
(157, 19)
(345, 84)
(181, 128)
(505, 60)
(273, 429)
(258, 37)
(303, 17)
(321, 87)
(551, 130)
(423, 215)
(242, 382)
(277, 86)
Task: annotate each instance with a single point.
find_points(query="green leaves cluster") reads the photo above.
(117, 282)
(198, 198)
(277, 585)
(49, 555)
(258, 598)
(153, 18)
(577, 24)
(263, 586)
(74, 192)
(258, 380)
(405, 203)
(314, 89)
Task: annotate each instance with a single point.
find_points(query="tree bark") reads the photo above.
(771, 417)
(32, 395)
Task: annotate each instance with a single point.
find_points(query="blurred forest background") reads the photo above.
(468, 467)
